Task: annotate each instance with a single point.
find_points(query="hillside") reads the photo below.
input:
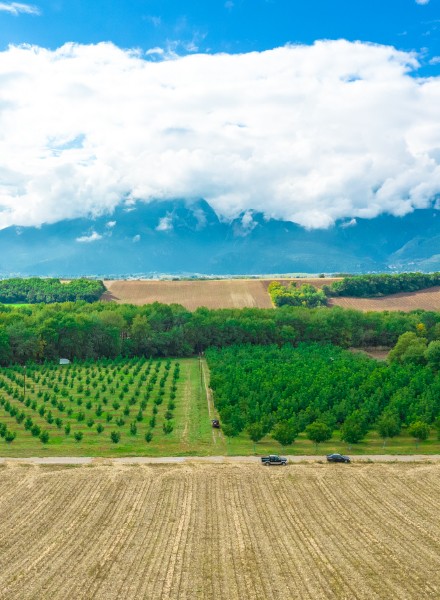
(183, 238)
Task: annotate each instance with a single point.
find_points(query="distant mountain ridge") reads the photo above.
(181, 238)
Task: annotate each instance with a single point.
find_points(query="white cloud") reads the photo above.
(165, 223)
(435, 60)
(422, 1)
(136, 238)
(93, 237)
(15, 8)
(304, 133)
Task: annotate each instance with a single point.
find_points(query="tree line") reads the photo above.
(35, 289)
(81, 330)
(370, 286)
(318, 388)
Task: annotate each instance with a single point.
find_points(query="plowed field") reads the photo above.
(425, 299)
(222, 293)
(305, 532)
(231, 293)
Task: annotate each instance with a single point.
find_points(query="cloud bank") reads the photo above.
(303, 133)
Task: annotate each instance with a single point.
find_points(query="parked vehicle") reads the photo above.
(338, 458)
(215, 423)
(274, 459)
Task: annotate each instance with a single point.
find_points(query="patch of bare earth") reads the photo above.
(204, 531)
(428, 299)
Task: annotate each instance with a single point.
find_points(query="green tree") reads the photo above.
(115, 437)
(420, 431)
(410, 348)
(388, 426)
(318, 432)
(432, 355)
(285, 432)
(352, 431)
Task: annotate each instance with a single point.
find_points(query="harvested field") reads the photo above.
(219, 293)
(225, 293)
(220, 531)
(428, 299)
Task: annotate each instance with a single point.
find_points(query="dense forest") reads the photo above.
(80, 330)
(319, 388)
(35, 289)
(370, 286)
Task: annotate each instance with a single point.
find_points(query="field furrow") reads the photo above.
(203, 531)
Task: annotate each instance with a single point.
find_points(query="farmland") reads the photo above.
(225, 293)
(242, 293)
(93, 400)
(80, 406)
(200, 531)
(428, 299)
(222, 293)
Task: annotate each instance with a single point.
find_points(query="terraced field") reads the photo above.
(195, 531)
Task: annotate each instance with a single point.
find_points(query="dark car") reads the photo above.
(338, 458)
(274, 459)
(215, 423)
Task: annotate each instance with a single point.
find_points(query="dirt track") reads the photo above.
(150, 460)
(209, 531)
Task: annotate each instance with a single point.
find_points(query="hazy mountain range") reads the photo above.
(181, 238)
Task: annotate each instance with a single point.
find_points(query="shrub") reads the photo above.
(44, 437)
(115, 437)
(10, 436)
(167, 427)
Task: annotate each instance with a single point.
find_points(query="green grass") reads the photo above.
(47, 385)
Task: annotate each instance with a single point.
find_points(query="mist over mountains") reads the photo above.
(176, 237)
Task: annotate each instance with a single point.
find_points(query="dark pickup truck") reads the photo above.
(274, 459)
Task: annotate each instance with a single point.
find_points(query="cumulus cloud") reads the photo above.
(15, 8)
(165, 223)
(93, 237)
(422, 1)
(304, 133)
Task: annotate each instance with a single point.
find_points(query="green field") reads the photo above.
(123, 396)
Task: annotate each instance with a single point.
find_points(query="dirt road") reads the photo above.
(147, 460)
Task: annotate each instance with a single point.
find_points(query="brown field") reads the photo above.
(219, 293)
(225, 293)
(425, 299)
(233, 531)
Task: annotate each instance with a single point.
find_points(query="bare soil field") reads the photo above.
(205, 531)
(219, 293)
(428, 299)
(225, 293)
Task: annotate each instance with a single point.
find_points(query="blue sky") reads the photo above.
(223, 25)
